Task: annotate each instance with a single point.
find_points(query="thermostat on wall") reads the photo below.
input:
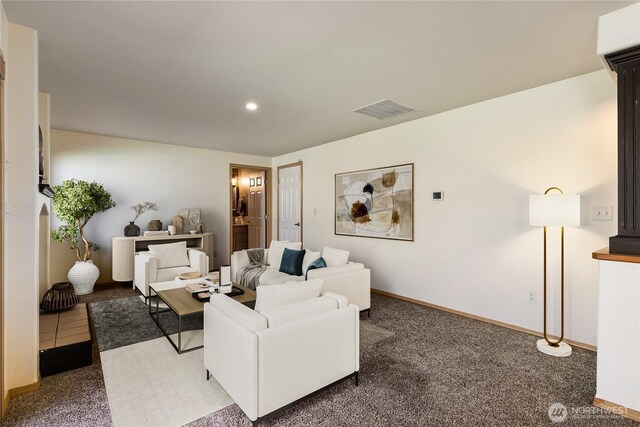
(438, 195)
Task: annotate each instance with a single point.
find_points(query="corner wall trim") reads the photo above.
(25, 389)
(616, 409)
(5, 404)
(480, 318)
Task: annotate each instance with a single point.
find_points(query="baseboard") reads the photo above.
(29, 388)
(482, 319)
(617, 409)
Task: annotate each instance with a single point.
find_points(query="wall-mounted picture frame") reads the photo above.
(258, 181)
(252, 182)
(376, 203)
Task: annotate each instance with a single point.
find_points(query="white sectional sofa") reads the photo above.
(350, 279)
(297, 341)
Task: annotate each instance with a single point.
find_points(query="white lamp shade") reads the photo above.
(554, 210)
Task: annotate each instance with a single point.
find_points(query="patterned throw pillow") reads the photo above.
(318, 263)
(292, 262)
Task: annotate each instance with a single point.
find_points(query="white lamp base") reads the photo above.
(563, 350)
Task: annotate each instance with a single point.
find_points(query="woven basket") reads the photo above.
(60, 297)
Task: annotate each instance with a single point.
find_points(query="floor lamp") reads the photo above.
(554, 210)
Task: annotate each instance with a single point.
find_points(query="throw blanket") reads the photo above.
(250, 275)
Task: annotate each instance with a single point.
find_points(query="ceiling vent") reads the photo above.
(384, 109)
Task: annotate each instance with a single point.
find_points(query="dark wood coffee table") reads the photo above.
(183, 304)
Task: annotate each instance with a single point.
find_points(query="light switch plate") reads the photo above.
(603, 213)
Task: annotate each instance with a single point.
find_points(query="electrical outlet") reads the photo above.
(603, 213)
(532, 297)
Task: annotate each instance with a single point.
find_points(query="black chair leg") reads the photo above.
(208, 375)
(357, 376)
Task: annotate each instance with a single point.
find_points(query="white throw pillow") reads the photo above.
(276, 249)
(334, 257)
(309, 257)
(270, 296)
(170, 254)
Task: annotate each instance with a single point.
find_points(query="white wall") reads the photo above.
(475, 251)
(135, 171)
(21, 220)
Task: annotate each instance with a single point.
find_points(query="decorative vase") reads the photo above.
(178, 221)
(83, 276)
(155, 225)
(59, 298)
(131, 230)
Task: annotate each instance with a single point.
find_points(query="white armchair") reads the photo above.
(165, 262)
(299, 343)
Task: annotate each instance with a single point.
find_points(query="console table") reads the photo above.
(125, 248)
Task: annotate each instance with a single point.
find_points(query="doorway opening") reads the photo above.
(250, 193)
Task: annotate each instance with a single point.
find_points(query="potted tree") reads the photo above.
(75, 202)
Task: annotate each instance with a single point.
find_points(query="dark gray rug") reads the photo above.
(121, 322)
(126, 321)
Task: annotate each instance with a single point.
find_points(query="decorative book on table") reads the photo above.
(198, 287)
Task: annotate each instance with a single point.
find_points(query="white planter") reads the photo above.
(83, 276)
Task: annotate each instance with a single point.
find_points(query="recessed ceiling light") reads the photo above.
(251, 106)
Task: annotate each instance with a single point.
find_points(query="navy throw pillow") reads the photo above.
(292, 262)
(318, 263)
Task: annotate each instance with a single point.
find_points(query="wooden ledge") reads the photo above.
(605, 255)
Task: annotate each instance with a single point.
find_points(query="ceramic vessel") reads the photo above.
(83, 276)
(131, 230)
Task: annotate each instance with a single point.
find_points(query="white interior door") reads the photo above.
(290, 203)
(257, 210)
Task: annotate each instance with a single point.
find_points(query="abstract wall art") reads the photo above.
(375, 203)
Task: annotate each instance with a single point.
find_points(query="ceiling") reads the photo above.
(182, 72)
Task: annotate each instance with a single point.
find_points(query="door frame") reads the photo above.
(291, 165)
(268, 179)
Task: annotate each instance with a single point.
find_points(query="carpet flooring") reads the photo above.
(140, 366)
(436, 369)
(440, 369)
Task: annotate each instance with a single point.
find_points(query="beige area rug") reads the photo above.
(150, 384)
(371, 334)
